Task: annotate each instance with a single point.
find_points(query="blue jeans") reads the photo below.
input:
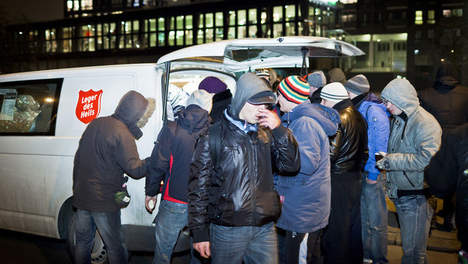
(374, 221)
(414, 227)
(244, 244)
(108, 225)
(170, 220)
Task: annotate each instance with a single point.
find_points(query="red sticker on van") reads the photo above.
(88, 106)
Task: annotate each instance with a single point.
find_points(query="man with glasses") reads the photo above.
(415, 136)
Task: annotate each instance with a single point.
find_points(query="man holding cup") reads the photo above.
(415, 137)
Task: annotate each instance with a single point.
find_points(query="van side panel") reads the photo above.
(36, 171)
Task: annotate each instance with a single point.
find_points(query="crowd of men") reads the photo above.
(285, 171)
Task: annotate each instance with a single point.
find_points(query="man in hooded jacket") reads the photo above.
(415, 137)
(170, 162)
(306, 197)
(106, 151)
(232, 201)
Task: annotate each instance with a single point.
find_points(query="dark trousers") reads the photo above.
(289, 247)
(342, 242)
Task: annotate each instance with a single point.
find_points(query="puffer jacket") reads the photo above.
(106, 151)
(234, 187)
(307, 197)
(348, 149)
(415, 137)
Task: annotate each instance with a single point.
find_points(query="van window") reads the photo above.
(29, 107)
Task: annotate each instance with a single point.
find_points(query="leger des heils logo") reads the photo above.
(88, 106)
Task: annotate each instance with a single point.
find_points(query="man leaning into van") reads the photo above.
(106, 151)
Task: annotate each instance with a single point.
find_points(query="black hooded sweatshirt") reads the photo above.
(106, 151)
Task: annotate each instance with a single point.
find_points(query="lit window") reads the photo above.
(431, 17)
(418, 17)
(290, 12)
(457, 12)
(277, 14)
(447, 13)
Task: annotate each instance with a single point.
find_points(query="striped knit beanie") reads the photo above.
(358, 84)
(334, 92)
(295, 89)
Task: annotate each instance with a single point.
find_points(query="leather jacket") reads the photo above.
(348, 149)
(238, 189)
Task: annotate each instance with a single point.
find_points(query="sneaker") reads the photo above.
(462, 257)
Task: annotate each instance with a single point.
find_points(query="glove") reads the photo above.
(383, 164)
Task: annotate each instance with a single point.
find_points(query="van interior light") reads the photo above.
(416, 52)
(49, 100)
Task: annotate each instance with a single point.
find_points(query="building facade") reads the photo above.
(97, 32)
(406, 37)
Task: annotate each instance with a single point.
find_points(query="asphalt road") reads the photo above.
(19, 248)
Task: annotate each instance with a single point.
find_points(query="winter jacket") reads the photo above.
(415, 137)
(378, 129)
(348, 149)
(106, 151)
(306, 205)
(172, 154)
(234, 187)
(220, 102)
(447, 102)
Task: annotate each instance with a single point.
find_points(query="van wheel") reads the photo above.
(98, 252)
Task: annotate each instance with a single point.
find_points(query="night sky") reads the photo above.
(24, 11)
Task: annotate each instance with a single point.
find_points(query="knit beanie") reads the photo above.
(295, 89)
(317, 79)
(358, 84)
(337, 75)
(201, 98)
(334, 92)
(212, 85)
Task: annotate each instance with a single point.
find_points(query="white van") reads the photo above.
(44, 113)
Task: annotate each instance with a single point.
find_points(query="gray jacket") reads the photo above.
(415, 137)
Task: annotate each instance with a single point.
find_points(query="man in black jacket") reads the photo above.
(348, 155)
(448, 172)
(170, 162)
(446, 101)
(232, 203)
(106, 151)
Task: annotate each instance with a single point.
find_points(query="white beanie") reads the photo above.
(334, 92)
(201, 98)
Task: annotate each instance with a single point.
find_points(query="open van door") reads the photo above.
(283, 52)
(236, 56)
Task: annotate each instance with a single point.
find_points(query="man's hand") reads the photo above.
(268, 118)
(150, 202)
(203, 248)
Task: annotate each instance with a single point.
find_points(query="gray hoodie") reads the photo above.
(247, 86)
(415, 137)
